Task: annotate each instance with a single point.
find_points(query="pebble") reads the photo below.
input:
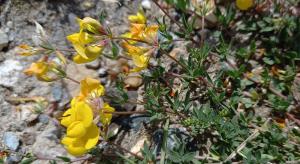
(135, 121)
(93, 65)
(11, 140)
(102, 72)
(43, 118)
(28, 137)
(3, 40)
(146, 4)
(174, 134)
(13, 158)
(57, 92)
(133, 81)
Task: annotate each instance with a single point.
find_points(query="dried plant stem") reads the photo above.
(242, 145)
(202, 31)
(174, 59)
(75, 81)
(292, 117)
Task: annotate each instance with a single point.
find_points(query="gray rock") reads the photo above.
(11, 140)
(102, 72)
(3, 40)
(28, 137)
(49, 140)
(132, 95)
(57, 92)
(43, 118)
(9, 72)
(93, 65)
(174, 135)
(13, 158)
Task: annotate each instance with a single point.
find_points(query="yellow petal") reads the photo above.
(105, 118)
(83, 113)
(89, 85)
(93, 51)
(244, 4)
(137, 69)
(79, 47)
(138, 18)
(76, 150)
(90, 24)
(91, 137)
(66, 119)
(140, 61)
(67, 140)
(134, 50)
(38, 68)
(150, 33)
(136, 30)
(25, 50)
(78, 59)
(85, 38)
(76, 129)
(128, 35)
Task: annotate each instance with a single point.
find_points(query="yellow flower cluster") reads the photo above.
(44, 70)
(82, 133)
(244, 4)
(140, 32)
(86, 41)
(25, 50)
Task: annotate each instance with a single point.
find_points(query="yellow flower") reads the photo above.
(150, 34)
(91, 25)
(140, 56)
(138, 18)
(77, 119)
(140, 61)
(136, 30)
(25, 50)
(105, 114)
(90, 88)
(85, 42)
(134, 50)
(40, 70)
(86, 50)
(244, 4)
(80, 145)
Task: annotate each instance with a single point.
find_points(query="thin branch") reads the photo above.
(292, 117)
(242, 145)
(75, 81)
(174, 59)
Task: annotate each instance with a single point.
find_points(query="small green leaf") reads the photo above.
(65, 159)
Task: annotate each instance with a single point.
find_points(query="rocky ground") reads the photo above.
(26, 105)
